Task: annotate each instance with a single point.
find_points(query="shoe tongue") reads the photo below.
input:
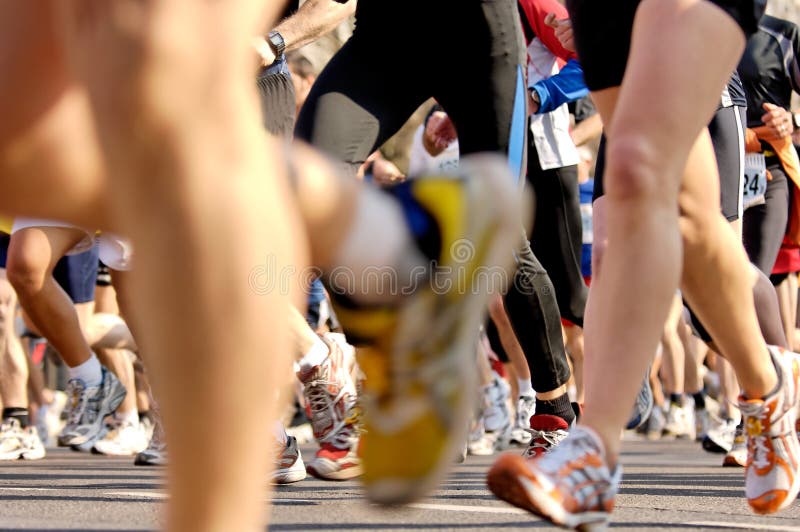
(548, 422)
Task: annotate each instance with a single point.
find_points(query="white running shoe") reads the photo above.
(719, 437)
(526, 406)
(17, 443)
(88, 407)
(571, 485)
(289, 467)
(772, 475)
(680, 421)
(496, 414)
(737, 455)
(156, 452)
(125, 438)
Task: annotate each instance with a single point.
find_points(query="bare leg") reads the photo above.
(216, 193)
(13, 366)
(646, 158)
(32, 255)
(575, 346)
(787, 299)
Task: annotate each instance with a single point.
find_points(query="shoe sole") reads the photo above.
(294, 474)
(510, 480)
(499, 245)
(342, 474)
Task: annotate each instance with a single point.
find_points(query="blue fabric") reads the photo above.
(516, 140)
(565, 87)
(586, 191)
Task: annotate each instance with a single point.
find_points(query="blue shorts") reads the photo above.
(76, 274)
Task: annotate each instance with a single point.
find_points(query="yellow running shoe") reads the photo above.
(419, 359)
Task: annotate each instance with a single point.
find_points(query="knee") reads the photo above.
(27, 270)
(634, 170)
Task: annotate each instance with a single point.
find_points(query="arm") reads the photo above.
(566, 86)
(314, 19)
(536, 14)
(589, 129)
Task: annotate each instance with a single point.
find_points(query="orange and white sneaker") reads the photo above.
(772, 474)
(571, 485)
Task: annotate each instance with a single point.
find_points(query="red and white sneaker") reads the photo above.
(331, 397)
(546, 432)
(772, 474)
(570, 486)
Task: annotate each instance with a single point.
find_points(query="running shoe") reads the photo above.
(526, 406)
(702, 423)
(419, 357)
(87, 446)
(772, 475)
(17, 443)
(643, 405)
(719, 437)
(737, 455)
(654, 428)
(88, 407)
(496, 414)
(680, 421)
(331, 396)
(546, 432)
(123, 439)
(570, 486)
(289, 467)
(156, 452)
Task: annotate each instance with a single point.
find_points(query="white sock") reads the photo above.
(378, 259)
(525, 387)
(315, 356)
(89, 372)
(280, 434)
(128, 418)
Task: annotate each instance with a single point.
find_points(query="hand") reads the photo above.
(385, 172)
(533, 105)
(563, 30)
(264, 51)
(778, 121)
(439, 133)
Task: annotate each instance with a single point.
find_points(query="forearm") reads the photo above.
(314, 19)
(587, 130)
(566, 86)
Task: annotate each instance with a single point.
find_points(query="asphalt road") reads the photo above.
(668, 485)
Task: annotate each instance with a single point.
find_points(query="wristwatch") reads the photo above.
(277, 43)
(535, 96)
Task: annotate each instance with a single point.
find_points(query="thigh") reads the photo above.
(363, 96)
(49, 157)
(727, 136)
(488, 107)
(765, 224)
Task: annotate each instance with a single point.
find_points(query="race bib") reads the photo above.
(755, 180)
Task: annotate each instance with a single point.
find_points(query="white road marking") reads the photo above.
(462, 508)
(138, 494)
(744, 526)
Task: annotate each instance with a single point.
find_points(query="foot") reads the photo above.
(17, 443)
(571, 486)
(419, 358)
(526, 405)
(546, 433)
(89, 405)
(737, 455)
(289, 467)
(333, 463)
(124, 439)
(719, 437)
(643, 405)
(156, 452)
(772, 475)
(680, 421)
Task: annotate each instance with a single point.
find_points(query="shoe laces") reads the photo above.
(77, 398)
(326, 421)
(543, 439)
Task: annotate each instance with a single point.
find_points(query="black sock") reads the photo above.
(560, 406)
(676, 399)
(20, 414)
(699, 400)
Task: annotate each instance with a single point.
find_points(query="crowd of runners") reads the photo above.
(402, 317)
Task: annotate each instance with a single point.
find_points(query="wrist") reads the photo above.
(536, 99)
(276, 42)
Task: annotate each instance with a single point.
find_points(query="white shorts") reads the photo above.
(115, 251)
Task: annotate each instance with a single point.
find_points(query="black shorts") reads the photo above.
(727, 136)
(603, 34)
